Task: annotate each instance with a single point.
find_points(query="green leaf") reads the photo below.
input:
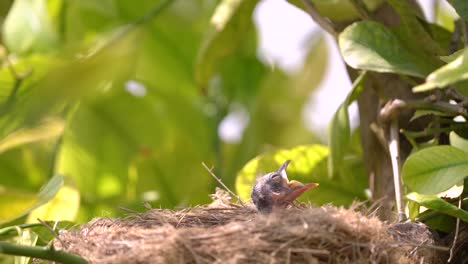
(308, 165)
(63, 207)
(455, 71)
(28, 27)
(413, 33)
(340, 10)
(458, 142)
(435, 169)
(48, 129)
(369, 45)
(413, 209)
(14, 204)
(437, 204)
(461, 6)
(229, 24)
(441, 222)
(339, 132)
(453, 56)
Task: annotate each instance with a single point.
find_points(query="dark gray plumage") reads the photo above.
(274, 190)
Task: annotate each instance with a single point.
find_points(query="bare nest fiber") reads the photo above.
(228, 233)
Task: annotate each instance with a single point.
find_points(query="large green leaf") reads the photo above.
(435, 169)
(339, 132)
(453, 72)
(340, 10)
(229, 24)
(308, 165)
(28, 27)
(413, 32)
(461, 6)
(369, 45)
(435, 203)
(15, 204)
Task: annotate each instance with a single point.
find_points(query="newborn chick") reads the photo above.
(274, 190)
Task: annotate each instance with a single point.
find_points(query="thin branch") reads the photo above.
(222, 184)
(379, 134)
(433, 131)
(457, 229)
(394, 149)
(323, 22)
(46, 253)
(361, 8)
(18, 80)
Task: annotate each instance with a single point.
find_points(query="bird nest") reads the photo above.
(223, 232)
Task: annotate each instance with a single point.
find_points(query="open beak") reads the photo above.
(295, 188)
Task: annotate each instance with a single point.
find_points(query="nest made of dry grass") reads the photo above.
(230, 233)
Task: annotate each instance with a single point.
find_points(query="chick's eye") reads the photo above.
(275, 177)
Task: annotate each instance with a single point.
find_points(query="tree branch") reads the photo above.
(47, 253)
(361, 8)
(324, 23)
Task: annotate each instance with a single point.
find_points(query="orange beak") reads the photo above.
(296, 188)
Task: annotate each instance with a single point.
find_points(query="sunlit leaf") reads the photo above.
(50, 128)
(413, 209)
(455, 71)
(371, 46)
(339, 132)
(228, 27)
(28, 27)
(453, 192)
(15, 204)
(453, 56)
(458, 142)
(437, 204)
(63, 207)
(435, 169)
(308, 165)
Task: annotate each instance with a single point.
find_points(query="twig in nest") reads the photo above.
(457, 229)
(51, 229)
(210, 171)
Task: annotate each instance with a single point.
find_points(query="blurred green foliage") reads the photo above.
(124, 99)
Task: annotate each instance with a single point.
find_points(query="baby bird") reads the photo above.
(274, 190)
